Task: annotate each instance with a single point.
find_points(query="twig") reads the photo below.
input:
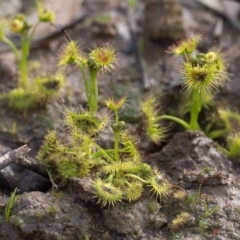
(12, 156)
(17, 156)
(32, 164)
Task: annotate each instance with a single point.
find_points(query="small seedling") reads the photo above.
(152, 207)
(209, 212)
(191, 198)
(51, 210)
(40, 214)
(203, 225)
(12, 200)
(60, 238)
(180, 220)
(180, 194)
(16, 220)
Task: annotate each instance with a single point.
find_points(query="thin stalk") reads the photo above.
(217, 133)
(25, 46)
(108, 151)
(135, 177)
(224, 150)
(23, 62)
(89, 150)
(110, 178)
(177, 120)
(100, 154)
(116, 139)
(195, 110)
(116, 144)
(104, 153)
(12, 46)
(85, 80)
(93, 89)
(33, 32)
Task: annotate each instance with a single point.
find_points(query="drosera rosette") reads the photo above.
(107, 193)
(202, 74)
(116, 174)
(20, 99)
(42, 90)
(133, 191)
(179, 194)
(159, 184)
(179, 221)
(29, 93)
(48, 87)
(129, 179)
(86, 122)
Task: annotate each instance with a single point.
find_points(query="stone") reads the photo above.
(163, 20)
(43, 216)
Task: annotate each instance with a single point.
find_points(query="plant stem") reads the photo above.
(116, 143)
(12, 46)
(93, 89)
(85, 80)
(195, 110)
(177, 120)
(217, 133)
(135, 177)
(116, 139)
(33, 32)
(104, 153)
(224, 150)
(108, 151)
(23, 62)
(100, 154)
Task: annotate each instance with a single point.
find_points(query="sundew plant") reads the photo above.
(116, 173)
(30, 93)
(201, 73)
